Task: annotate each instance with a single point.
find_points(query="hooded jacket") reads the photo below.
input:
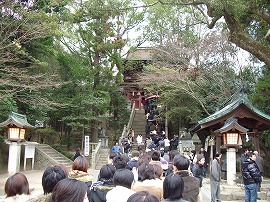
(250, 172)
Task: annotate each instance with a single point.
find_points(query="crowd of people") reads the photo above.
(143, 176)
(147, 176)
(252, 172)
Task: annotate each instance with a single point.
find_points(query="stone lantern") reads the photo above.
(231, 140)
(17, 125)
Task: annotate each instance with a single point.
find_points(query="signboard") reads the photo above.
(86, 145)
(29, 151)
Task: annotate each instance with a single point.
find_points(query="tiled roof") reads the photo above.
(17, 119)
(232, 123)
(242, 99)
(237, 101)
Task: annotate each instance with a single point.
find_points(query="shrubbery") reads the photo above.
(62, 150)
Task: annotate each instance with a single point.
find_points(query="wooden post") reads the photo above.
(256, 139)
(218, 142)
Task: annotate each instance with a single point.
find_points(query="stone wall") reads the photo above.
(41, 162)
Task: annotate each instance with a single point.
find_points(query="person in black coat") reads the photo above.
(245, 156)
(251, 177)
(77, 153)
(99, 189)
(191, 190)
(197, 170)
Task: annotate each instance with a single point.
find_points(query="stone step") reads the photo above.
(138, 123)
(55, 155)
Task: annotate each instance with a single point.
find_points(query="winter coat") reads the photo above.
(17, 198)
(76, 154)
(259, 161)
(83, 177)
(119, 194)
(132, 163)
(215, 173)
(154, 187)
(99, 190)
(197, 171)
(41, 198)
(250, 172)
(116, 148)
(179, 200)
(244, 157)
(191, 186)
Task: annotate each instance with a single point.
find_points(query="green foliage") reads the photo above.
(265, 146)
(46, 135)
(262, 92)
(68, 140)
(27, 64)
(4, 152)
(260, 98)
(2, 138)
(118, 110)
(93, 68)
(7, 105)
(63, 151)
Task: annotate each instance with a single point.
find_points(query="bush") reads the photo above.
(62, 150)
(4, 152)
(45, 135)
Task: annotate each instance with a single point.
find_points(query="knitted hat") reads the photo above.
(199, 157)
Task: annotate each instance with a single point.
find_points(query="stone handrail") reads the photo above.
(53, 161)
(96, 153)
(92, 146)
(48, 156)
(131, 118)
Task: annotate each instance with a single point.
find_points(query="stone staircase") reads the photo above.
(103, 158)
(138, 124)
(49, 156)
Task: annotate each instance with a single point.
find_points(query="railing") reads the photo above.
(92, 146)
(131, 118)
(95, 153)
(40, 149)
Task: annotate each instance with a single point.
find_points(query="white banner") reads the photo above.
(86, 145)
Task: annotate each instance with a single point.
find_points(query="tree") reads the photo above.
(192, 75)
(260, 98)
(96, 35)
(246, 20)
(24, 76)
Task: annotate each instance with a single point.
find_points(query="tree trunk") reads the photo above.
(94, 131)
(239, 37)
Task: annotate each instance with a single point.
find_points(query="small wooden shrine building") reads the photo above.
(246, 115)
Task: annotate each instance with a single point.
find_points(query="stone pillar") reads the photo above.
(231, 166)
(180, 147)
(14, 157)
